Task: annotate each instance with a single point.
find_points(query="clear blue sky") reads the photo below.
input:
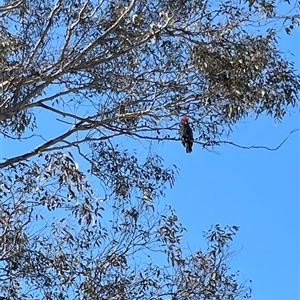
(257, 190)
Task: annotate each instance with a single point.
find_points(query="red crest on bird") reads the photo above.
(184, 120)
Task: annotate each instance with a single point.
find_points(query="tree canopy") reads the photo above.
(103, 70)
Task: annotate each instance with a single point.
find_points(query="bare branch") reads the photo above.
(45, 32)
(14, 5)
(260, 147)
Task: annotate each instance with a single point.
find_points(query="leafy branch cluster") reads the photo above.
(109, 71)
(160, 59)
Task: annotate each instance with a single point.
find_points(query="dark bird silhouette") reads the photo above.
(186, 134)
(122, 109)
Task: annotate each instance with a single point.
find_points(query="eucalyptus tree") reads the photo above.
(104, 70)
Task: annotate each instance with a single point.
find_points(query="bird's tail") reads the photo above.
(188, 148)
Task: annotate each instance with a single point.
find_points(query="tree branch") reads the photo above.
(260, 147)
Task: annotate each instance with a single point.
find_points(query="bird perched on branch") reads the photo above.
(186, 134)
(127, 115)
(122, 109)
(122, 113)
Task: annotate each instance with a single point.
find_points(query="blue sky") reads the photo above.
(257, 190)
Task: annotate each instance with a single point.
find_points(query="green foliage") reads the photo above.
(112, 259)
(108, 72)
(120, 171)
